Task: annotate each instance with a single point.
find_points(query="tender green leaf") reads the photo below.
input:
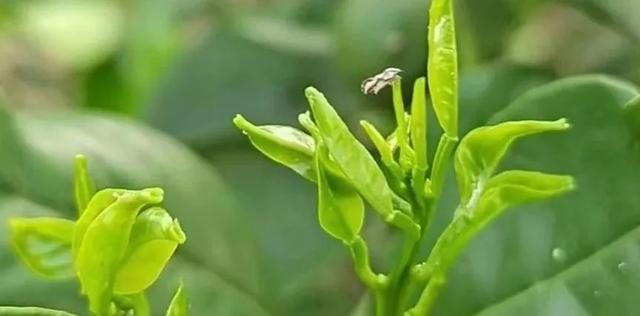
(406, 156)
(340, 208)
(98, 203)
(154, 238)
(109, 233)
(442, 67)
(44, 245)
(510, 268)
(282, 144)
(31, 311)
(480, 151)
(20, 286)
(140, 304)
(350, 155)
(419, 136)
(84, 188)
(386, 152)
(221, 257)
(419, 123)
(179, 305)
(514, 187)
(505, 190)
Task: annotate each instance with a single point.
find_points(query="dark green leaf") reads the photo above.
(371, 35)
(513, 267)
(224, 75)
(490, 88)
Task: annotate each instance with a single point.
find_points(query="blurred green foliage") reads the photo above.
(147, 90)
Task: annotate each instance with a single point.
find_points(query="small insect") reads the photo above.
(376, 83)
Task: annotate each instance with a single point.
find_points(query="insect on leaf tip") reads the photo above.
(378, 82)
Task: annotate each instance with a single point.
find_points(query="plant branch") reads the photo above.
(360, 255)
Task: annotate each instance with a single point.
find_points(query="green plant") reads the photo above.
(405, 187)
(117, 247)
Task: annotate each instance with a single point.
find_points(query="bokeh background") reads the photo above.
(147, 90)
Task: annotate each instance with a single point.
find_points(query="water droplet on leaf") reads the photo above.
(559, 255)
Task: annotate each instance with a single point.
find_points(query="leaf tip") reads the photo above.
(562, 124)
(570, 183)
(311, 92)
(177, 232)
(239, 121)
(153, 195)
(80, 160)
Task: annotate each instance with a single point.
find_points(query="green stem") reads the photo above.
(401, 132)
(434, 187)
(381, 303)
(360, 255)
(404, 222)
(427, 298)
(447, 248)
(140, 304)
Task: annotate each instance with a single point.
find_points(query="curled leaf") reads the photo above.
(179, 305)
(442, 65)
(96, 205)
(340, 208)
(105, 244)
(283, 144)
(83, 185)
(154, 238)
(44, 245)
(480, 152)
(515, 187)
